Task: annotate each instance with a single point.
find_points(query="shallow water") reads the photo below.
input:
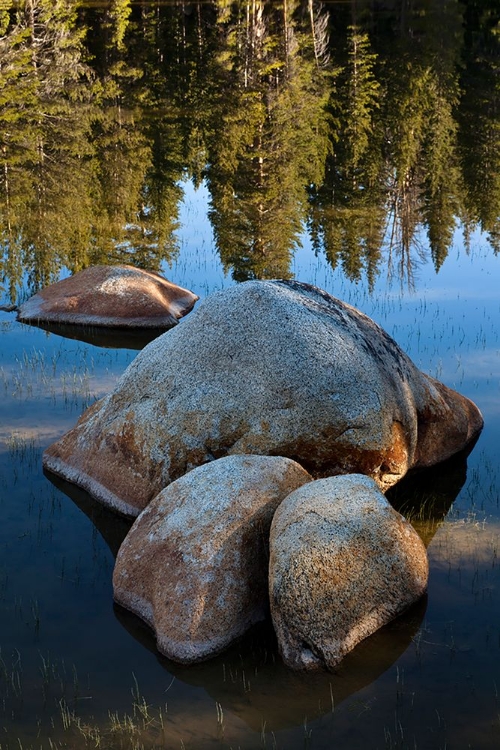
(155, 163)
(73, 666)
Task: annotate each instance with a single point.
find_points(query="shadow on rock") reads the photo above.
(425, 497)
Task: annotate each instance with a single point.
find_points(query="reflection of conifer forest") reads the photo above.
(368, 129)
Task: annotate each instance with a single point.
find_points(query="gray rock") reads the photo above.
(265, 367)
(121, 296)
(342, 564)
(194, 564)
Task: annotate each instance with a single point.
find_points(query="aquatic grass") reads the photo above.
(40, 374)
(62, 725)
(143, 727)
(73, 377)
(24, 449)
(11, 674)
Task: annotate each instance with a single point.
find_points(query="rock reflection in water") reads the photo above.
(103, 336)
(425, 497)
(112, 527)
(250, 680)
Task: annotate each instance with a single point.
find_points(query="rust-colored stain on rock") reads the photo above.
(271, 368)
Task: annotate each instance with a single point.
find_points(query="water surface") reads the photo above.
(219, 142)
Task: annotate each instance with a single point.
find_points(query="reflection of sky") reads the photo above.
(480, 270)
(470, 542)
(56, 559)
(449, 325)
(46, 381)
(198, 266)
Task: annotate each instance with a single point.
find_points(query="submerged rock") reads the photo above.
(265, 367)
(343, 563)
(194, 565)
(121, 296)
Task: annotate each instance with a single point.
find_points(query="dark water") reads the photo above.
(378, 151)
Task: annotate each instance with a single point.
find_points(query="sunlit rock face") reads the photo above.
(121, 296)
(194, 565)
(342, 563)
(271, 368)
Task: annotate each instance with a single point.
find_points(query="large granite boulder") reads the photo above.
(121, 296)
(342, 563)
(194, 564)
(266, 367)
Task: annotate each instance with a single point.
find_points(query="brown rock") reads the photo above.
(342, 564)
(121, 296)
(267, 367)
(194, 564)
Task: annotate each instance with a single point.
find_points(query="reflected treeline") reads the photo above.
(371, 123)
(403, 161)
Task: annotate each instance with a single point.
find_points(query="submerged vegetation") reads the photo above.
(365, 121)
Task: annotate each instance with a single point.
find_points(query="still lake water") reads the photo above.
(73, 668)
(205, 140)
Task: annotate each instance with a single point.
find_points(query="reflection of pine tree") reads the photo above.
(407, 116)
(45, 150)
(479, 118)
(268, 137)
(122, 150)
(136, 143)
(347, 212)
(360, 101)
(18, 122)
(395, 141)
(420, 101)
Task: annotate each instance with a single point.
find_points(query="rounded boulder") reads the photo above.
(266, 367)
(121, 296)
(343, 563)
(194, 565)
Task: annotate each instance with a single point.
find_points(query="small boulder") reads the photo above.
(121, 296)
(194, 564)
(271, 368)
(343, 563)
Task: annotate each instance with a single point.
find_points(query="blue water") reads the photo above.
(70, 659)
